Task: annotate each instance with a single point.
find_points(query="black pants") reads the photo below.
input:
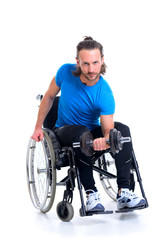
(71, 133)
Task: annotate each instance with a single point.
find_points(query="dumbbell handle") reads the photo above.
(116, 141)
(122, 139)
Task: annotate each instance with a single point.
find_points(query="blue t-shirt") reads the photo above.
(80, 104)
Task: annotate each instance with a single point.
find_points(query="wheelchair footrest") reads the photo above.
(96, 213)
(125, 210)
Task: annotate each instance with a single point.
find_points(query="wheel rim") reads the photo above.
(38, 173)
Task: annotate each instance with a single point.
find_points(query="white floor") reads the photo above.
(21, 219)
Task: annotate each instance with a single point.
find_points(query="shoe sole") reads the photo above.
(97, 208)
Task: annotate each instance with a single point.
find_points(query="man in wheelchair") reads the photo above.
(85, 98)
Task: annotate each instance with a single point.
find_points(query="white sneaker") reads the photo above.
(93, 202)
(128, 199)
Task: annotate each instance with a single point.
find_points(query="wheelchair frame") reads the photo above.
(42, 179)
(58, 158)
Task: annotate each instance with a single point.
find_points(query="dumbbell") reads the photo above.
(116, 141)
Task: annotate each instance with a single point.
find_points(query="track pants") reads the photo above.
(71, 133)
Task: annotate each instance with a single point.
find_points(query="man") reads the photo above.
(85, 99)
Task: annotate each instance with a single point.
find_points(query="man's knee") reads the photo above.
(124, 129)
(70, 133)
(79, 130)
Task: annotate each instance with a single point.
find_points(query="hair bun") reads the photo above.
(88, 38)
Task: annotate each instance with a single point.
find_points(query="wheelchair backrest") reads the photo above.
(51, 117)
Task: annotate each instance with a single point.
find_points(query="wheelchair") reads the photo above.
(44, 160)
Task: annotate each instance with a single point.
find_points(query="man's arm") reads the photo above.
(107, 123)
(44, 108)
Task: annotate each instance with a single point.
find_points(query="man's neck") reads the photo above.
(87, 82)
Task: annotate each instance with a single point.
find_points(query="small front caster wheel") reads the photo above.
(65, 211)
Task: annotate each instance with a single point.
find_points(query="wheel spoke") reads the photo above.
(109, 185)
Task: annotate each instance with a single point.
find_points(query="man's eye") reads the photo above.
(95, 62)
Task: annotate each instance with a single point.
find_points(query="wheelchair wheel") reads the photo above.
(65, 211)
(109, 184)
(41, 174)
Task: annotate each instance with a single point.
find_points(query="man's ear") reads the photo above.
(77, 60)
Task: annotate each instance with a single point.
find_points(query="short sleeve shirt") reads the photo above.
(80, 104)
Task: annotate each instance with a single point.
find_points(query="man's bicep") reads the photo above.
(53, 89)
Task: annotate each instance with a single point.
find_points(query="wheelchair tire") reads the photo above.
(65, 211)
(109, 184)
(41, 174)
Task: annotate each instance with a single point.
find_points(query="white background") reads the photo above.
(37, 37)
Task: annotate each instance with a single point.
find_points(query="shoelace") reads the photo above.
(92, 196)
(128, 194)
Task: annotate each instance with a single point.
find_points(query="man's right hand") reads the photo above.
(37, 135)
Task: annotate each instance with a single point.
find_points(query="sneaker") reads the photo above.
(93, 203)
(128, 199)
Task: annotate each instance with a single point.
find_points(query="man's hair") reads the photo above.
(89, 44)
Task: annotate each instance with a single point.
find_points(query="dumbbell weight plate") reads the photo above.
(86, 142)
(117, 140)
(113, 141)
(119, 144)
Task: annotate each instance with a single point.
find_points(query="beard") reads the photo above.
(91, 76)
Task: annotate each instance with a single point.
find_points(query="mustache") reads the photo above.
(91, 73)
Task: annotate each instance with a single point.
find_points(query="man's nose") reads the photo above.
(90, 68)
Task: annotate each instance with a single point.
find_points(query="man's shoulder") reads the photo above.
(64, 73)
(105, 85)
(68, 67)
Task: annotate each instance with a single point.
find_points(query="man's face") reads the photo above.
(90, 62)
